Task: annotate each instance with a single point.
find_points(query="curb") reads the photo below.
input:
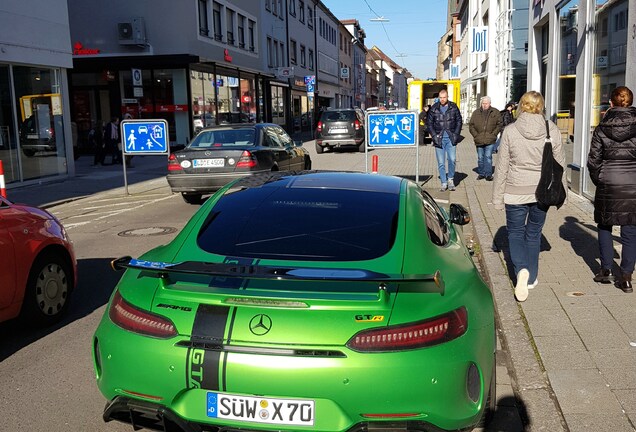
(537, 404)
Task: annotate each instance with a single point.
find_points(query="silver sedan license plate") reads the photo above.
(299, 412)
(337, 130)
(208, 163)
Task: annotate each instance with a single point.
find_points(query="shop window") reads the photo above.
(203, 103)
(229, 100)
(278, 105)
(8, 143)
(248, 98)
(41, 124)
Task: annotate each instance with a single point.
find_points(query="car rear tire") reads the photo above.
(362, 147)
(491, 401)
(191, 198)
(28, 153)
(48, 289)
(307, 164)
(319, 149)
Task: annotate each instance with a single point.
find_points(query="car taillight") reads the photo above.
(136, 320)
(319, 127)
(173, 163)
(356, 124)
(247, 160)
(433, 331)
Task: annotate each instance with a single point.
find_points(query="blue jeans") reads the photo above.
(606, 246)
(484, 160)
(524, 223)
(447, 150)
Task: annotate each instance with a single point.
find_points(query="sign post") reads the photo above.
(143, 137)
(393, 129)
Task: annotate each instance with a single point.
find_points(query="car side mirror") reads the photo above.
(459, 215)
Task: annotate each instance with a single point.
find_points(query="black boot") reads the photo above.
(625, 282)
(604, 276)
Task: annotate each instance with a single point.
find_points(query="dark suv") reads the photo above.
(339, 128)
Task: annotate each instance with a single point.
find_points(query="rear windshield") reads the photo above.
(338, 116)
(223, 138)
(302, 224)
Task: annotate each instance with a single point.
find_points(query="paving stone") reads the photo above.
(598, 423)
(583, 391)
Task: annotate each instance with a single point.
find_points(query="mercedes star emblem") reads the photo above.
(260, 325)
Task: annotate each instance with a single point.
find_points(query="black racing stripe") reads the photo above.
(204, 366)
(224, 357)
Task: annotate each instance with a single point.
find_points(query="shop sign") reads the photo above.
(344, 72)
(227, 56)
(299, 83)
(601, 62)
(454, 70)
(246, 99)
(171, 108)
(138, 91)
(479, 40)
(129, 101)
(284, 72)
(136, 77)
(109, 75)
(79, 50)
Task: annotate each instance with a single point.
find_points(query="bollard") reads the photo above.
(374, 164)
(3, 191)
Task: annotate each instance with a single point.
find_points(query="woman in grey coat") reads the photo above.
(517, 175)
(612, 165)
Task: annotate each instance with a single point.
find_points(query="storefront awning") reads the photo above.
(474, 78)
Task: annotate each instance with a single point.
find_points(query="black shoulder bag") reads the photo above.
(550, 191)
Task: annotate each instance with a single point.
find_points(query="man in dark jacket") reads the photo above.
(612, 165)
(484, 126)
(444, 123)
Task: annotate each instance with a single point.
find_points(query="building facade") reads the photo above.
(36, 133)
(578, 52)
(359, 70)
(328, 71)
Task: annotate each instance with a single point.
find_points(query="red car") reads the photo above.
(39, 269)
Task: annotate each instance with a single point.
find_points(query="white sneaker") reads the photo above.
(521, 290)
(533, 284)
(451, 185)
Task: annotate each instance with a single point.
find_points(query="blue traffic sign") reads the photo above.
(391, 129)
(145, 137)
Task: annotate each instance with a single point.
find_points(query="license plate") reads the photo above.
(32, 136)
(299, 412)
(337, 130)
(208, 163)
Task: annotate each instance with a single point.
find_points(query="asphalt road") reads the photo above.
(46, 375)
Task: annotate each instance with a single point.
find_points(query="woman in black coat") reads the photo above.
(612, 165)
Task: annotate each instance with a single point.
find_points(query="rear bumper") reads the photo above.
(204, 183)
(152, 416)
(339, 142)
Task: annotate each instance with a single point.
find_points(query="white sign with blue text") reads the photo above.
(392, 128)
(478, 43)
(145, 137)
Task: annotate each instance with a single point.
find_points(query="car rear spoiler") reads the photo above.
(408, 282)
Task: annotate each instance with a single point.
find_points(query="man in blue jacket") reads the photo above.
(444, 123)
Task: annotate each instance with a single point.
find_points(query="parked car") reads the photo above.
(221, 154)
(35, 137)
(315, 301)
(338, 128)
(39, 270)
(201, 121)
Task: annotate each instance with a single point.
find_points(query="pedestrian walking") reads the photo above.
(444, 123)
(517, 175)
(612, 165)
(484, 125)
(111, 140)
(423, 129)
(507, 117)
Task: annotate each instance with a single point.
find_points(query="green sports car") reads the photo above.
(311, 301)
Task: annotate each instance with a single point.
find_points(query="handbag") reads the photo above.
(550, 190)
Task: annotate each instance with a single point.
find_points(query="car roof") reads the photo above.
(238, 126)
